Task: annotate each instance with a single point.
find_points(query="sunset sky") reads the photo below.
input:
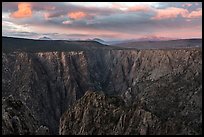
(105, 20)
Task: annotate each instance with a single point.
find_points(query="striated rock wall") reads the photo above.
(98, 114)
(167, 83)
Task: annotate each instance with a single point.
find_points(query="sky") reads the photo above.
(104, 20)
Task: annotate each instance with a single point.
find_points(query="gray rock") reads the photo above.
(161, 81)
(17, 118)
(112, 117)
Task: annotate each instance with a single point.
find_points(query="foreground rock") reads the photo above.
(98, 114)
(17, 119)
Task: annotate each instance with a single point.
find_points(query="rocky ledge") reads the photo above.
(17, 119)
(98, 114)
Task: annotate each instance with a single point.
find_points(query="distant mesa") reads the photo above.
(107, 42)
(45, 38)
(155, 38)
(146, 38)
(100, 41)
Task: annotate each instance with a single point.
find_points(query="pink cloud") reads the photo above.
(24, 11)
(195, 14)
(171, 12)
(184, 32)
(77, 15)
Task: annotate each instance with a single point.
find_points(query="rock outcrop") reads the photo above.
(17, 119)
(98, 114)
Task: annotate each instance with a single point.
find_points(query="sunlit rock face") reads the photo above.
(166, 84)
(98, 114)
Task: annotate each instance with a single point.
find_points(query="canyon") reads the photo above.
(102, 89)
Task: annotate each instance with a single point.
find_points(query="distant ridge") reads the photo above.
(168, 44)
(45, 38)
(155, 38)
(10, 44)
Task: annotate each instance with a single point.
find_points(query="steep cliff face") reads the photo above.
(98, 114)
(47, 82)
(167, 83)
